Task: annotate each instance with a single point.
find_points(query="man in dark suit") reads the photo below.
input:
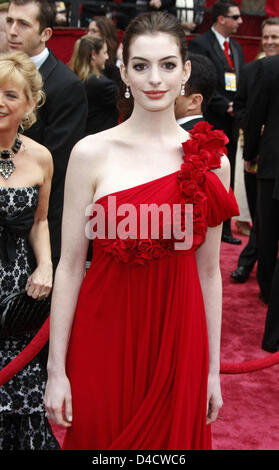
(261, 146)
(61, 120)
(198, 91)
(227, 56)
(244, 94)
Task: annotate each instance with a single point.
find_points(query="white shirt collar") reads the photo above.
(219, 37)
(40, 58)
(188, 118)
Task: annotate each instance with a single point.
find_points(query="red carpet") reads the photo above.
(249, 419)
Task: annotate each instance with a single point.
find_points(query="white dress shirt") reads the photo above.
(181, 121)
(40, 58)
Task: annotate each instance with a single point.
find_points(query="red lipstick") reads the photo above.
(155, 94)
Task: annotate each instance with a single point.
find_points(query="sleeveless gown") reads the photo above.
(138, 353)
(23, 423)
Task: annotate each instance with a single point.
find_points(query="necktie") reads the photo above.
(227, 54)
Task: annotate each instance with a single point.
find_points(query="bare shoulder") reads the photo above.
(95, 148)
(88, 158)
(38, 152)
(91, 150)
(224, 172)
(32, 145)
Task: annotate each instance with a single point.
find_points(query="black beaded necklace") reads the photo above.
(7, 165)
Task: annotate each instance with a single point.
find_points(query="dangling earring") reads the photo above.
(25, 123)
(26, 119)
(127, 93)
(182, 89)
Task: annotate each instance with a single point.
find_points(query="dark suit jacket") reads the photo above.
(61, 123)
(207, 44)
(102, 95)
(245, 91)
(264, 111)
(188, 126)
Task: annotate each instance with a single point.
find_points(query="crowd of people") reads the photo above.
(134, 353)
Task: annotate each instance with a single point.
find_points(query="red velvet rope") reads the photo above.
(250, 366)
(33, 348)
(26, 355)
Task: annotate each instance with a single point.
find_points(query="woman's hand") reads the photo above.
(39, 284)
(58, 400)
(214, 398)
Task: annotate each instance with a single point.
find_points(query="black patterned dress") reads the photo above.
(23, 424)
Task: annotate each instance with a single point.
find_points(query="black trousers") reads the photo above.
(268, 234)
(249, 254)
(271, 333)
(231, 148)
(250, 181)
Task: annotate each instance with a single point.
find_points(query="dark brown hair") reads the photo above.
(149, 23)
(152, 23)
(108, 31)
(203, 78)
(221, 8)
(47, 11)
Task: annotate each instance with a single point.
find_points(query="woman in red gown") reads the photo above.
(135, 343)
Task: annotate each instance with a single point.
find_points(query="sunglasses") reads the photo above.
(234, 17)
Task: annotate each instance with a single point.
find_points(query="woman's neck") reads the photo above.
(153, 124)
(95, 71)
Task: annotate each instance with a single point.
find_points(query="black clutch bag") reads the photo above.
(20, 313)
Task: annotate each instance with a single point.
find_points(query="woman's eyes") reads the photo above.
(165, 65)
(169, 65)
(139, 67)
(11, 95)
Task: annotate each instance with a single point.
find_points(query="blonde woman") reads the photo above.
(25, 179)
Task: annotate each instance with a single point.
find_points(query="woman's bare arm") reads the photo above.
(79, 191)
(39, 282)
(208, 262)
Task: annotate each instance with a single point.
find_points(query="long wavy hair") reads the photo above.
(81, 62)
